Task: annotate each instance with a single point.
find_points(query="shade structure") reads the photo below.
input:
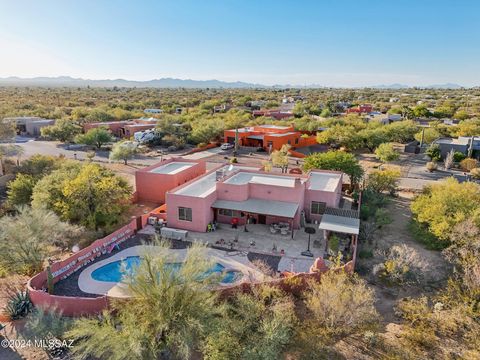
(260, 206)
(340, 224)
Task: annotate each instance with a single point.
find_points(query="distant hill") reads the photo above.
(403, 86)
(67, 81)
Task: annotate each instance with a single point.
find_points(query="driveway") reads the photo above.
(54, 148)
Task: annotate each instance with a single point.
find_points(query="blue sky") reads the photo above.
(327, 42)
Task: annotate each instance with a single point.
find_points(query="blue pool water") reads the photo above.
(112, 272)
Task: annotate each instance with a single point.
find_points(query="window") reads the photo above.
(296, 141)
(185, 213)
(289, 142)
(225, 212)
(318, 207)
(231, 213)
(269, 143)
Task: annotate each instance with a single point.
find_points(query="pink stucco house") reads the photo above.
(229, 192)
(154, 181)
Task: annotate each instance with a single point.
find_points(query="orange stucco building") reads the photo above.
(270, 137)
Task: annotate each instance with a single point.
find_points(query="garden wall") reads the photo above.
(74, 306)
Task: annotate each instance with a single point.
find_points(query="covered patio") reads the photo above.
(341, 221)
(258, 211)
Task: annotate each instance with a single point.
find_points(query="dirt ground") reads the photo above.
(435, 269)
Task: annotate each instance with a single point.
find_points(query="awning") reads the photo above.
(257, 206)
(255, 137)
(341, 224)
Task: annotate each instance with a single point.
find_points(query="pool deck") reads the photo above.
(238, 262)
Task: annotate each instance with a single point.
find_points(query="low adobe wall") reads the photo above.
(75, 306)
(78, 306)
(198, 149)
(294, 284)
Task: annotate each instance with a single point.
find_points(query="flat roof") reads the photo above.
(279, 127)
(341, 224)
(206, 184)
(243, 177)
(260, 206)
(172, 168)
(324, 181)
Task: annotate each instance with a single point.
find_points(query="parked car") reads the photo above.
(227, 146)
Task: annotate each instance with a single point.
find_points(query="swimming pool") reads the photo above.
(112, 272)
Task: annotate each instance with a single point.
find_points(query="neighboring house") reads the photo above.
(269, 137)
(273, 113)
(461, 144)
(30, 125)
(153, 111)
(125, 128)
(241, 193)
(360, 109)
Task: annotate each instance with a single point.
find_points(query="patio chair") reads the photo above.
(284, 231)
(273, 230)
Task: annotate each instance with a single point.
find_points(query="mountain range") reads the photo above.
(67, 81)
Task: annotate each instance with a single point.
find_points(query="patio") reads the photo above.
(259, 239)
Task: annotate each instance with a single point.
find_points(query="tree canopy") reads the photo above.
(444, 204)
(96, 137)
(336, 160)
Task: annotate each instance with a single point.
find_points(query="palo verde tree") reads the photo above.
(168, 315)
(123, 150)
(386, 152)
(29, 237)
(88, 194)
(444, 204)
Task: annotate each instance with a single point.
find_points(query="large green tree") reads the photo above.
(444, 204)
(336, 160)
(96, 137)
(63, 130)
(87, 194)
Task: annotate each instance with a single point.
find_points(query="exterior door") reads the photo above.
(262, 219)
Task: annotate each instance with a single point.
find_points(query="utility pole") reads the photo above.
(236, 142)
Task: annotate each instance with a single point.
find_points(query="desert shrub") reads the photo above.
(50, 325)
(475, 173)
(434, 152)
(425, 237)
(253, 326)
(371, 202)
(18, 305)
(431, 166)
(334, 243)
(340, 305)
(365, 254)
(382, 217)
(233, 160)
(383, 180)
(402, 265)
(468, 164)
(386, 152)
(458, 156)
